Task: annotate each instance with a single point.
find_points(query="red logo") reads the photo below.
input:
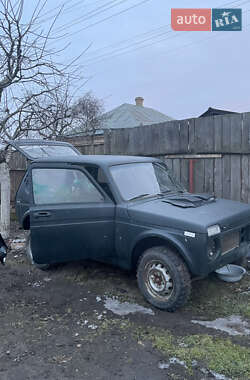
(197, 19)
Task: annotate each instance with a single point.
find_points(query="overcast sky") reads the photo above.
(178, 73)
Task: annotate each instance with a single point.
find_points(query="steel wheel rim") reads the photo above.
(158, 280)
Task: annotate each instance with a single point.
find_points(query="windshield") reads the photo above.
(143, 179)
(39, 151)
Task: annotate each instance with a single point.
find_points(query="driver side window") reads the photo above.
(54, 186)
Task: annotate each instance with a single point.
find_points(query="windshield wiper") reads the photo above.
(171, 191)
(165, 192)
(139, 196)
(162, 193)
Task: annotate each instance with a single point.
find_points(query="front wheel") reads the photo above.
(30, 256)
(163, 278)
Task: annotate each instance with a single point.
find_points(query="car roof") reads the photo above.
(100, 160)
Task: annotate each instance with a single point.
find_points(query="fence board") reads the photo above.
(99, 149)
(177, 169)
(226, 167)
(17, 161)
(236, 132)
(218, 134)
(199, 171)
(235, 177)
(154, 137)
(209, 176)
(16, 177)
(139, 141)
(191, 136)
(204, 135)
(107, 142)
(169, 163)
(184, 173)
(248, 198)
(226, 134)
(183, 135)
(245, 148)
(218, 177)
(244, 178)
(172, 138)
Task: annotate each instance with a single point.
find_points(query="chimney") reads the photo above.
(139, 101)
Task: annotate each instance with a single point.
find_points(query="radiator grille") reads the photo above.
(230, 241)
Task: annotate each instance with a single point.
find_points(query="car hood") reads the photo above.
(175, 212)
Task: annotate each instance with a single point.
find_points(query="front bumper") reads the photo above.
(230, 257)
(237, 253)
(223, 255)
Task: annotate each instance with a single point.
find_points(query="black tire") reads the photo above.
(163, 278)
(30, 256)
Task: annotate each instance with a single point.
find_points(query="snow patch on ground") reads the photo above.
(177, 361)
(162, 365)
(125, 308)
(216, 375)
(232, 325)
(174, 361)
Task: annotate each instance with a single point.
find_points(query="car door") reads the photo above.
(71, 217)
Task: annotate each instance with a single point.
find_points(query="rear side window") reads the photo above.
(52, 186)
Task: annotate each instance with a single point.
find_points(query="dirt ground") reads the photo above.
(71, 323)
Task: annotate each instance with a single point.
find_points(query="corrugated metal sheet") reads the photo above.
(129, 116)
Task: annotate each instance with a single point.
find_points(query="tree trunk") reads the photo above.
(5, 200)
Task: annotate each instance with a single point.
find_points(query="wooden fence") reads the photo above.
(210, 154)
(18, 165)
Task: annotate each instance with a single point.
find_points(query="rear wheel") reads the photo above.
(163, 278)
(30, 256)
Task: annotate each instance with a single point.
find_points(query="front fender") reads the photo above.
(170, 239)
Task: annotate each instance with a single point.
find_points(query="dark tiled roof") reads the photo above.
(215, 112)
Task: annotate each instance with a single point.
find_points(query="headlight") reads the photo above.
(213, 247)
(213, 230)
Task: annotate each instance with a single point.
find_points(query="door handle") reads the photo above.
(42, 214)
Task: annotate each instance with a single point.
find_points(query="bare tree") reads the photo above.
(28, 76)
(48, 115)
(57, 114)
(88, 111)
(87, 117)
